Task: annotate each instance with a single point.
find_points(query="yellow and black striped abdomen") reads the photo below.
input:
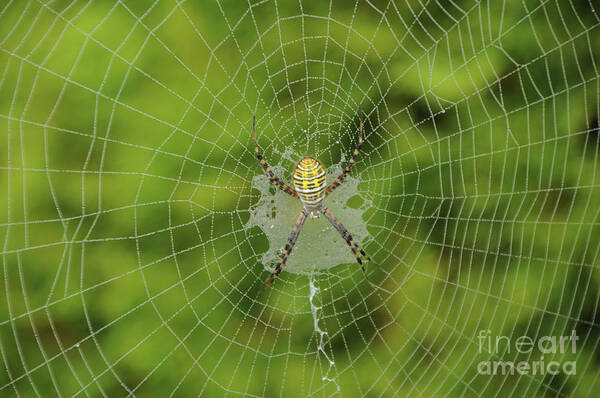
(310, 181)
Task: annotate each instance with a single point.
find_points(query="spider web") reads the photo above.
(135, 227)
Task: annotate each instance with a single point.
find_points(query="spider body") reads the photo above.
(311, 188)
(310, 183)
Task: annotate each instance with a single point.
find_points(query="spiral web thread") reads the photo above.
(129, 263)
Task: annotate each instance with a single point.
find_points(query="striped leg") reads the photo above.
(348, 238)
(338, 181)
(287, 250)
(267, 169)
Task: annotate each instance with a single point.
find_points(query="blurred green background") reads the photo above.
(126, 165)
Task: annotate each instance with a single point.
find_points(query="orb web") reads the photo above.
(137, 228)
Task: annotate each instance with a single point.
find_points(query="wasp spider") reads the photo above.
(310, 187)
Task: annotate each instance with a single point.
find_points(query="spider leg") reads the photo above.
(267, 169)
(288, 249)
(348, 238)
(340, 179)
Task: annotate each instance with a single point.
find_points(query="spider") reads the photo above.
(310, 187)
